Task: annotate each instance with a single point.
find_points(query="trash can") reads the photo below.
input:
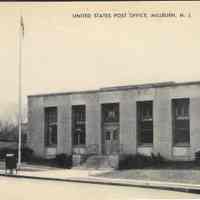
(11, 163)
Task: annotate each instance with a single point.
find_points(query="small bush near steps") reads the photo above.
(64, 160)
(139, 161)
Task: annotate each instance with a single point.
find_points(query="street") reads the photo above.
(21, 189)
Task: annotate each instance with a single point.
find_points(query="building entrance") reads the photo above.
(111, 139)
(110, 128)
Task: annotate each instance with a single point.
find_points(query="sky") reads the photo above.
(61, 53)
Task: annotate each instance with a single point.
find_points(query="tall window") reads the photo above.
(78, 125)
(145, 122)
(181, 121)
(51, 126)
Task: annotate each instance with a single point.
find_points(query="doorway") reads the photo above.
(110, 128)
(111, 139)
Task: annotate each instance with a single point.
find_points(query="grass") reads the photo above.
(181, 172)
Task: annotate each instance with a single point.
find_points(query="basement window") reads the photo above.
(145, 122)
(51, 126)
(78, 125)
(181, 122)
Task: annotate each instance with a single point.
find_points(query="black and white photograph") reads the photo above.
(100, 100)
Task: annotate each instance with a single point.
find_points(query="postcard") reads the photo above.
(100, 100)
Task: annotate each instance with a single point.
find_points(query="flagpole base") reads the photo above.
(18, 166)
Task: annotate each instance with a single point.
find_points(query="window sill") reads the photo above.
(182, 118)
(145, 145)
(110, 122)
(146, 120)
(78, 145)
(181, 145)
(51, 146)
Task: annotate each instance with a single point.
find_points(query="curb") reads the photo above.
(141, 184)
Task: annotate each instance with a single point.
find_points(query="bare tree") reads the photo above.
(9, 130)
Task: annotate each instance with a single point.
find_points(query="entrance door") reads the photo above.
(111, 139)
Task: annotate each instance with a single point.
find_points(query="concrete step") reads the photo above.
(99, 162)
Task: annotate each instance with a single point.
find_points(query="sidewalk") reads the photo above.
(88, 176)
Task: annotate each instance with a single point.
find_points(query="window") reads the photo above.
(110, 112)
(145, 122)
(78, 125)
(181, 122)
(50, 126)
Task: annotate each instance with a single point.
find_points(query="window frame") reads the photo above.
(142, 121)
(78, 125)
(51, 122)
(182, 120)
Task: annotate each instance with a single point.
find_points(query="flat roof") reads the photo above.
(120, 88)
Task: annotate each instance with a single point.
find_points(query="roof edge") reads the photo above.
(63, 93)
(120, 88)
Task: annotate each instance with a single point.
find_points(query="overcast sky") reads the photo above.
(62, 53)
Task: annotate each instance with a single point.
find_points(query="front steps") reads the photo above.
(98, 162)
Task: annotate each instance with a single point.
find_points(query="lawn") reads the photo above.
(181, 172)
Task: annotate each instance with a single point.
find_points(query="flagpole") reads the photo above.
(20, 92)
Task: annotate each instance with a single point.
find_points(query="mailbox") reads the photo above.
(11, 163)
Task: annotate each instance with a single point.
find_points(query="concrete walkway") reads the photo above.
(88, 176)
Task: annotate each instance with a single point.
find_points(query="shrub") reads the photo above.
(64, 160)
(26, 153)
(139, 161)
(157, 160)
(197, 157)
(61, 160)
(132, 161)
